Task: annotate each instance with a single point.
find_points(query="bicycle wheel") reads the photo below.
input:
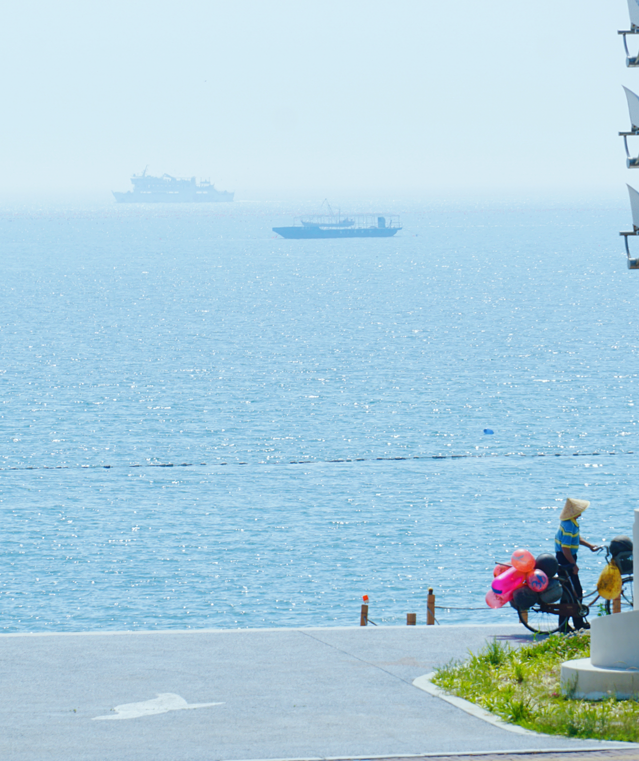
(544, 618)
(627, 596)
(540, 619)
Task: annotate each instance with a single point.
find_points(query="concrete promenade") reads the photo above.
(244, 694)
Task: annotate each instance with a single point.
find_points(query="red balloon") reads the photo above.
(523, 561)
(537, 580)
(499, 569)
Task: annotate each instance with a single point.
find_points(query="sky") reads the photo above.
(316, 98)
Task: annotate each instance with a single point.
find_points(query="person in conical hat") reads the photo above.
(567, 543)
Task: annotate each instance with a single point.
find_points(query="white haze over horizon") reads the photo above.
(312, 99)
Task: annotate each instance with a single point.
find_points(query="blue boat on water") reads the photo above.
(338, 226)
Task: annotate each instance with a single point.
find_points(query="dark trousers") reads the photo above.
(565, 573)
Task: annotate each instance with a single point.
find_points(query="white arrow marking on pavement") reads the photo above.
(165, 702)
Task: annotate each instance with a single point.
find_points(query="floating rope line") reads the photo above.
(316, 462)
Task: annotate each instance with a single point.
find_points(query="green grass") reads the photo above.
(521, 686)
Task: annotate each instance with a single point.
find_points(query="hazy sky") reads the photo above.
(316, 97)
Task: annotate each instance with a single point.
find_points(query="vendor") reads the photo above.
(567, 543)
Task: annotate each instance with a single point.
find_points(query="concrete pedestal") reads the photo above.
(613, 666)
(593, 683)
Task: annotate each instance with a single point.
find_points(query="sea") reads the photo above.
(203, 425)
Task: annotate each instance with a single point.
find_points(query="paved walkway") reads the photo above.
(243, 694)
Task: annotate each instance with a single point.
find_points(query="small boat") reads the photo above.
(334, 225)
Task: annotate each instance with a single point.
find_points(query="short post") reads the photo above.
(523, 616)
(616, 605)
(430, 608)
(363, 616)
(411, 619)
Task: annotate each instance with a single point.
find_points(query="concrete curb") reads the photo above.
(250, 630)
(452, 754)
(425, 683)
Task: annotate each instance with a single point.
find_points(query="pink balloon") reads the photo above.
(523, 561)
(495, 601)
(537, 580)
(508, 596)
(499, 569)
(508, 581)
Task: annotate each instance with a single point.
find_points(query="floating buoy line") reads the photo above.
(314, 462)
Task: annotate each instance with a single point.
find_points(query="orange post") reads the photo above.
(616, 605)
(430, 608)
(411, 619)
(363, 616)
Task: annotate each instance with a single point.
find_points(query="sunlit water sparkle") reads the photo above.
(200, 421)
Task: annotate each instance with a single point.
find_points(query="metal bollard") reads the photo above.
(430, 608)
(411, 619)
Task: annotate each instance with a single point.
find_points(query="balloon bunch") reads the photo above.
(522, 582)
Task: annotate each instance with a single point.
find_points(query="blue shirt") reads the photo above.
(567, 536)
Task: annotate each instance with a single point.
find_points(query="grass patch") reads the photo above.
(521, 686)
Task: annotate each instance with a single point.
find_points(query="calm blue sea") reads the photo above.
(202, 425)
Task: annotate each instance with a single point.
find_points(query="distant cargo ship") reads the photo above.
(167, 189)
(338, 226)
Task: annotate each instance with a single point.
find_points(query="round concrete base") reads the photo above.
(594, 683)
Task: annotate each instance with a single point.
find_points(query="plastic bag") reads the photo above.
(609, 584)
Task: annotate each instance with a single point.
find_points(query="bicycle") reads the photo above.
(544, 618)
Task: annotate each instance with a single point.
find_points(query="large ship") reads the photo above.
(338, 226)
(167, 189)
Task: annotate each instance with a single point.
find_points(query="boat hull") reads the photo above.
(347, 232)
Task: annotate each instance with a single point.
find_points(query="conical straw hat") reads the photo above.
(573, 508)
